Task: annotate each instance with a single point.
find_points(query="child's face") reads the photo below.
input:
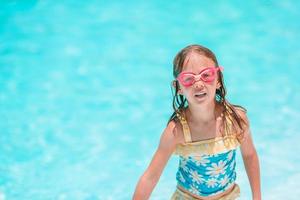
(200, 92)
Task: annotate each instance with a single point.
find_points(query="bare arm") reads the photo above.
(251, 161)
(149, 179)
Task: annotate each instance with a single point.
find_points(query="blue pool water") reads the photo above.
(85, 91)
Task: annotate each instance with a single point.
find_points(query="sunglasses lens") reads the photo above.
(187, 79)
(208, 75)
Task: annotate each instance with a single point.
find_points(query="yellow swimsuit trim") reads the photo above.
(208, 147)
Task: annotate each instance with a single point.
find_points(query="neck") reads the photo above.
(202, 114)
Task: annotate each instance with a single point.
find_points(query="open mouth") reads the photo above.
(200, 95)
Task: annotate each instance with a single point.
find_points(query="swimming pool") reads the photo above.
(85, 91)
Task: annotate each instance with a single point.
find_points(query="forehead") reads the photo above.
(195, 62)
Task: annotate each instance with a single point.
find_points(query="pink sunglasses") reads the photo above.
(206, 75)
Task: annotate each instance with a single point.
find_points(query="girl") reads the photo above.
(205, 130)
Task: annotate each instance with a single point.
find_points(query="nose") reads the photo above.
(198, 83)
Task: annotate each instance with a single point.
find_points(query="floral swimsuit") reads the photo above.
(207, 167)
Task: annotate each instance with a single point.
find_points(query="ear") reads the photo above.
(174, 84)
(180, 91)
(218, 85)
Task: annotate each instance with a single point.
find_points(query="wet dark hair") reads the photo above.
(234, 120)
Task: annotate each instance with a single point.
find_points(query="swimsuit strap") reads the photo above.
(186, 129)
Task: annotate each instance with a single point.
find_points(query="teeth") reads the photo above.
(200, 94)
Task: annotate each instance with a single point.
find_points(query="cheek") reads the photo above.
(215, 83)
(212, 84)
(181, 89)
(185, 91)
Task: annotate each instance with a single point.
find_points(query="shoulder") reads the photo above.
(242, 113)
(172, 134)
(244, 122)
(247, 143)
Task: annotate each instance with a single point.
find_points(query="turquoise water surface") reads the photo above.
(85, 91)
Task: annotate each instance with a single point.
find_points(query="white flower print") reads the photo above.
(232, 165)
(217, 169)
(198, 178)
(194, 190)
(181, 177)
(183, 165)
(212, 183)
(201, 160)
(229, 156)
(224, 181)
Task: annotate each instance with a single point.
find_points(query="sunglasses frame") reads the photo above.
(180, 76)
